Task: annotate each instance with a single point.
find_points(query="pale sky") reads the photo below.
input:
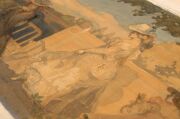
(170, 5)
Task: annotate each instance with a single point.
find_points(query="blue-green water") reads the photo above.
(123, 13)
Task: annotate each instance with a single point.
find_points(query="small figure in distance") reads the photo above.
(174, 96)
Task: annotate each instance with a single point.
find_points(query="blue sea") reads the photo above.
(123, 13)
